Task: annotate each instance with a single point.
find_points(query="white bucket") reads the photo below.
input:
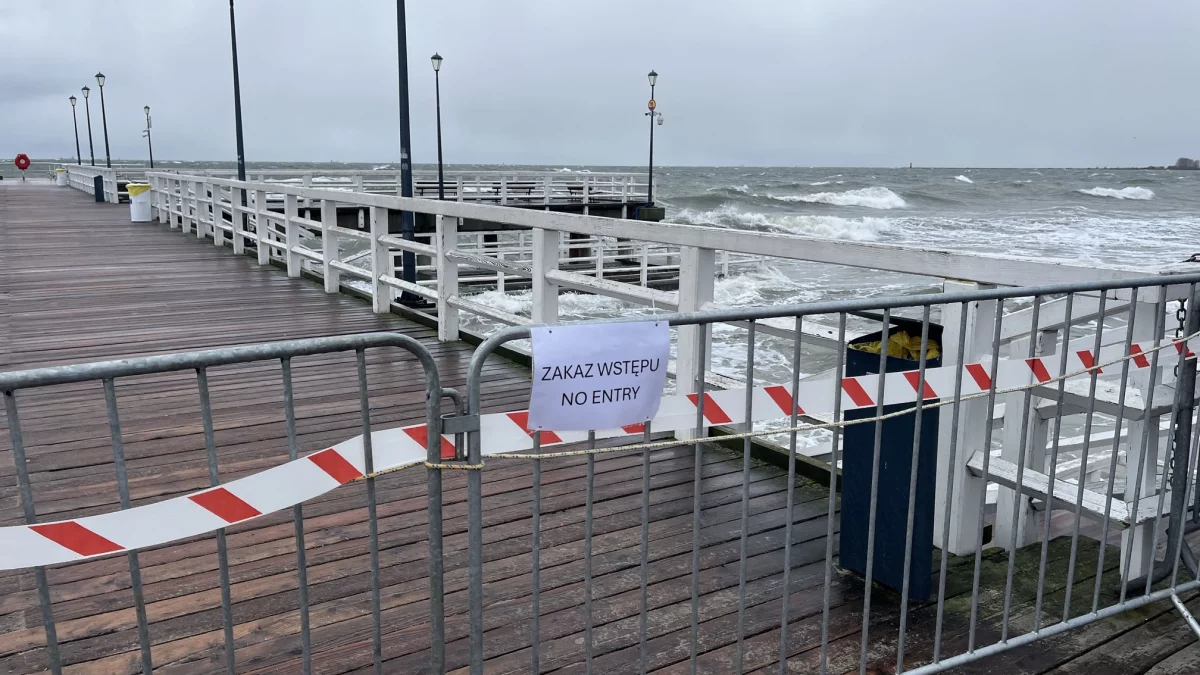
(60, 177)
(139, 202)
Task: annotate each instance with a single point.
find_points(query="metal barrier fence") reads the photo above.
(680, 555)
(791, 606)
(227, 502)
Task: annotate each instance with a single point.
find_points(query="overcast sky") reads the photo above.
(757, 82)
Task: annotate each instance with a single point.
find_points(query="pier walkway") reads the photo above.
(79, 282)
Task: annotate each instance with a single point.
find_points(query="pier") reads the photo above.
(300, 259)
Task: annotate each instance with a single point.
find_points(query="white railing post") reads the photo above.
(967, 489)
(645, 265)
(586, 196)
(215, 201)
(1036, 429)
(291, 235)
(545, 292)
(329, 245)
(547, 188)
(236, 220)
(262, 227)
(458, 187)
(197, 209)
(1139, 454)
(382, 262)
(599, 249)
(446, 241)
(696, 284)
(169, 186)
(306, 181)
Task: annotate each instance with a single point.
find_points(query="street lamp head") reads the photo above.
(437, 62)
(660, 119)
(86, 91)
(73, 99)
(100, 79)
(653, 77)
(147, 109)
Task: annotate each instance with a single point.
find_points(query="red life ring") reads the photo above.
(22, 161)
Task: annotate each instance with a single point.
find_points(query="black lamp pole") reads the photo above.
(104, 121)
(237, 101)
(408, 228)
(437, 88)
(653, 77)
(75, 119)
(88, 109)
(149, 144)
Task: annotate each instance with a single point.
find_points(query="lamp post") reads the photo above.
(88, 109)
(408, 229)
(104, 121)
(654, 117)
(437, 88)
(237, 102)
(149, 144)
(75, 119)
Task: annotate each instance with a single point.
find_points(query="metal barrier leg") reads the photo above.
(289, 408)
(372, 520)
(30, 513)
(214, 479)
(135, 570)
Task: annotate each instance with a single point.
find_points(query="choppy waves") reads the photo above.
(1123, 193)
(871, 197)
(831, 227)
(963, 179)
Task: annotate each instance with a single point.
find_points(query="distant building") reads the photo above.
(1186, 164)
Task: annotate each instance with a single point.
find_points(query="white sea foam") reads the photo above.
(872, 198)
(820, 182)
(963, 179)
(744, 189)
(1123, 193)
(831, 227)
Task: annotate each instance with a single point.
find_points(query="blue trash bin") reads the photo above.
(895, 456)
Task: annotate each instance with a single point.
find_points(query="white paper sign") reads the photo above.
(598, 376)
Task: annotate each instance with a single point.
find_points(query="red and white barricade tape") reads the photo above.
(313, 475)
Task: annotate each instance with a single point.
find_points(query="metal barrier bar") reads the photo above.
(956, 415)
(29, 511)
(745, 523)
(214, 479)
(987, 435)
(289, 407)
(834, 477)
(135, 570)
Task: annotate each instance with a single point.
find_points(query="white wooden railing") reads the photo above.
(540, 256)
(497, 187)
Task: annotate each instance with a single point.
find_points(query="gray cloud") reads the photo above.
(818, 82)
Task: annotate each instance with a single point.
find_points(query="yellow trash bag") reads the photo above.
(901, 345)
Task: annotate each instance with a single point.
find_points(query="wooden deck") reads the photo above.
(79, 282)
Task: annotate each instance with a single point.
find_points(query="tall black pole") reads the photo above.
(237, 101)
(88, 109)
(75, 119)
(437, 88)
(149, 144)
(407, 225)
(650, 172)
(104, 123)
